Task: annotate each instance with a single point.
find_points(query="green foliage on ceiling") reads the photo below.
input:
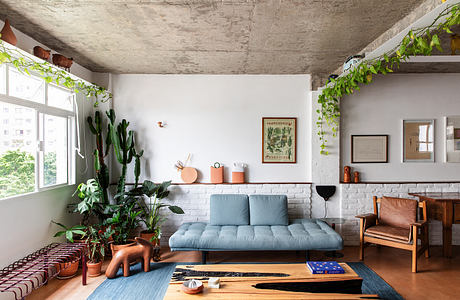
(50, 73)
(420, 41)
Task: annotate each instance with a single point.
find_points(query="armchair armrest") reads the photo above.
(420, 223)
(369, 220)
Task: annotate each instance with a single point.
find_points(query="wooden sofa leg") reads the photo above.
(203, 257)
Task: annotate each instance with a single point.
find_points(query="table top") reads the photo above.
(437, 196)
(243, 287)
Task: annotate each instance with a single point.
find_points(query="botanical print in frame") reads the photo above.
(418, 141)
(279, 140)
(452, 151)
(369, 149)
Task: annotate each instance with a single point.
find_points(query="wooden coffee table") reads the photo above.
(269, 278)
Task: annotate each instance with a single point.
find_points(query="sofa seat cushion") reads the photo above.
(300, 234)
(391, 233)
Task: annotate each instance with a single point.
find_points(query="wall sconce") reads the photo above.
(161, 124)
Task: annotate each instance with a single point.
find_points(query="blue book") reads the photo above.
(325, 267)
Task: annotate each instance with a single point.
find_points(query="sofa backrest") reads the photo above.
(237, 209)
(229, 209)
(268, 210)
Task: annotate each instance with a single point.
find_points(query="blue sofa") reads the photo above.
(257, 222)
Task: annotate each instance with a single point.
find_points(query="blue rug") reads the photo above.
(153, 285)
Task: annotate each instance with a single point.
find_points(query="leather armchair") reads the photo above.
(394, 223)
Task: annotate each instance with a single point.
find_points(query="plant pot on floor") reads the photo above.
(94, 269)
(146, 235)
(114, 248)
(68, 269)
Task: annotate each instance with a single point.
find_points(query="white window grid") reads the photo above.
(42, 109)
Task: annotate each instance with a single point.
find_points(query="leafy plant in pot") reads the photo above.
(97, 238)
(124, 221)
(150, 216)
(91, 201)
(69, 269)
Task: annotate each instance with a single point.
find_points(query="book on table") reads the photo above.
(325, 267)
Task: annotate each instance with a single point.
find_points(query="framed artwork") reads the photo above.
(369, 148)
(452, 133)
(418, 141)
(279, 140)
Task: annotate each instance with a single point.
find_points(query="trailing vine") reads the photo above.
(50, 73)
(420, 41)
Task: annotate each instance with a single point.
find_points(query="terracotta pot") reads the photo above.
(42, 53)
(68, 269)
(156, 244)
(115, 247)
(62, 61)
(94, 269)
(8, 34)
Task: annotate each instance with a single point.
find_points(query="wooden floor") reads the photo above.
(439, 278)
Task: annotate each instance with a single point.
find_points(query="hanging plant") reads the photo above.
(417, 42)
(26, 64)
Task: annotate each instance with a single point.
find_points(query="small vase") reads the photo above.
(8, 34)
(94, 269)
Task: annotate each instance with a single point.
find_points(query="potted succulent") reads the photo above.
(69, 269)
(150, 216)
(97, 238)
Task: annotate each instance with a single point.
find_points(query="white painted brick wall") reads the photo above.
(357, 199)
(194, 200)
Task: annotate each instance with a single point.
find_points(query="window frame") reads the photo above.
(40, 110)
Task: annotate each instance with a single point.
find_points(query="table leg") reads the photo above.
(447, 217)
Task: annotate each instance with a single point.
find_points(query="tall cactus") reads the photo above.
(137, 166)
(102, 172)
(123, 145)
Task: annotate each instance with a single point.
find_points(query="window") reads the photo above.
(36, 147)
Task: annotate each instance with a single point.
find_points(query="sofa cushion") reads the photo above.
(391, 233)
(229, 209)
(300, 234)
(268, 210)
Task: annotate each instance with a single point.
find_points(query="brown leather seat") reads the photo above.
(389, 233)
(395, 225)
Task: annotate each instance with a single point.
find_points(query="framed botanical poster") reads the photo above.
(369, 149)
(279, 140)
(452, 153)
(418, 141)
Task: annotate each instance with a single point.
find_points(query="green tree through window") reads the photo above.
(17, 173)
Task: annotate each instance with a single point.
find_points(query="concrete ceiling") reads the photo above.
(207, 36)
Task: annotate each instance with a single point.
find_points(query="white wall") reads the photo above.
(380, 107)
(215, 118)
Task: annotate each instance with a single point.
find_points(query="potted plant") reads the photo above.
(69, 269)
(97, 238)
(91, 201)
(123, 221)
(150, 216)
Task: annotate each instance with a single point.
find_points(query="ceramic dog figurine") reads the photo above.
(143, 250)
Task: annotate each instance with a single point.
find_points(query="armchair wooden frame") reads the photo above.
(419, 230)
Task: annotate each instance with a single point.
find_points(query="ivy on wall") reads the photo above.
(420, 41)
(50, 73)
